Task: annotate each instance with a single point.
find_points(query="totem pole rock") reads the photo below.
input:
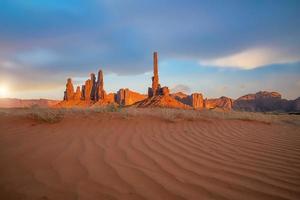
(156, 88)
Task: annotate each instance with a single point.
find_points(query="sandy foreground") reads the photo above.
(116, 156)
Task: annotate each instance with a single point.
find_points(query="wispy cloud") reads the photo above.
(253, 58)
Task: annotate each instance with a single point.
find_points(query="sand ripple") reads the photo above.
(101, 157)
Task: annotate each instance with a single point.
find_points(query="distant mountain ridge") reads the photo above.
(264, 101)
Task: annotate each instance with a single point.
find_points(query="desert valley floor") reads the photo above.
(109, 156)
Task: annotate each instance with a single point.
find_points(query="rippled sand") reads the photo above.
(107, 156)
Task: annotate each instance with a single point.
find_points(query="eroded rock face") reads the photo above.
(194, 100)
(264, 101)
(165, 91)
(88, 90)
(126, 97)
(296, 106)
(100, 92)
(165, 101)
(77, 95)
(69, 93)
(224, 103)
(93, 88)
(111, 97)
(261, 101)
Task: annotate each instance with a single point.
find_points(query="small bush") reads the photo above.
(47, 115)
(105, 109)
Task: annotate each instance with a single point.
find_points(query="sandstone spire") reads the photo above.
(87, 90)
(93, 89)
(155, 81)
(77, 95)
(100, 80)
(100, 92)
(69, 93)
(156, 88)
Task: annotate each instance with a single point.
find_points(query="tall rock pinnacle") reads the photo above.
(100, 92)
(93, 90)
(100, 81)
(69, 93)
(156, 88)
(155, 80)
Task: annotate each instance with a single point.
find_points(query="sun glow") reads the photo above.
(4, 91)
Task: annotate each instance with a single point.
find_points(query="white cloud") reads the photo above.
(253, 58)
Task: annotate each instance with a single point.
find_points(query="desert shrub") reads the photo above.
(105, 109)
(47, 115)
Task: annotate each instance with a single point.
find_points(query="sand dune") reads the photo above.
(109, 156)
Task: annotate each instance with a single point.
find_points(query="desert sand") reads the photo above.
(123, 156)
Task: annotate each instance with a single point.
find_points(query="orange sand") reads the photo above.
(107, 156)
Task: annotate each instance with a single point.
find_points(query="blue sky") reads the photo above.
(216, 47)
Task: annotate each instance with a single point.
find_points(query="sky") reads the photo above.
(215, 47)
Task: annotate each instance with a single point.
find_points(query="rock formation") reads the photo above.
(224, 103)
(156, 88)
(88, 90)
(92, 93)
(69, 93)
(164, 101)
(194, 100)
(126, 97)
(77, 95)
(93, 88)
(264, 101)
(111, 97)
(100, 93)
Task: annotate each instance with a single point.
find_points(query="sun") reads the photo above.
(4, 91)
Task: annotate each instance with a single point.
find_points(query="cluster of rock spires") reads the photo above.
(92, 93)
(92, 90)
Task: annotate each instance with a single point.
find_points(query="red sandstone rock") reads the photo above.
(165, 91)
(111, 97)
(196, 100)
(222, 102)
(100, 92)
(126, 97)
(155, 79)
(162, 101)
(69, 93)
(156, 89)
(93, 89)
(77, 95)
(88, 90)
